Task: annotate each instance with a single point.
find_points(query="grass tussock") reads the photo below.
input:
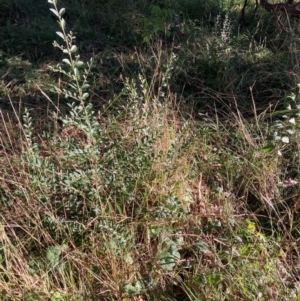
(164, 168)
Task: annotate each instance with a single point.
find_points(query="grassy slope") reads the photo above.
(166, 192)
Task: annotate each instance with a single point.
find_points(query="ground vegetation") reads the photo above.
(149, 150)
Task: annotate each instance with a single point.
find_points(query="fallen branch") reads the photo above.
(289, 8)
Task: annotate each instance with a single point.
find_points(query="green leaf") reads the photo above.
(76, 72)
(214, 279)
(138, 286)
(291, 96)
(53, 254)
(60, 34)
(167, 261)
(57, 296)
(62, 23)
(268, 148)
(73, 48)
(128, 259)
(154, 230)
(67, 61)
(291, 130)
(54, 11)
(73, 86)
(176, 254)
(200, 280)
(79, 64)
(85, 96)
(292, 121)
(85, 86)
(201, 245)
(62, 11)
(130, 289)
(155, 10)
